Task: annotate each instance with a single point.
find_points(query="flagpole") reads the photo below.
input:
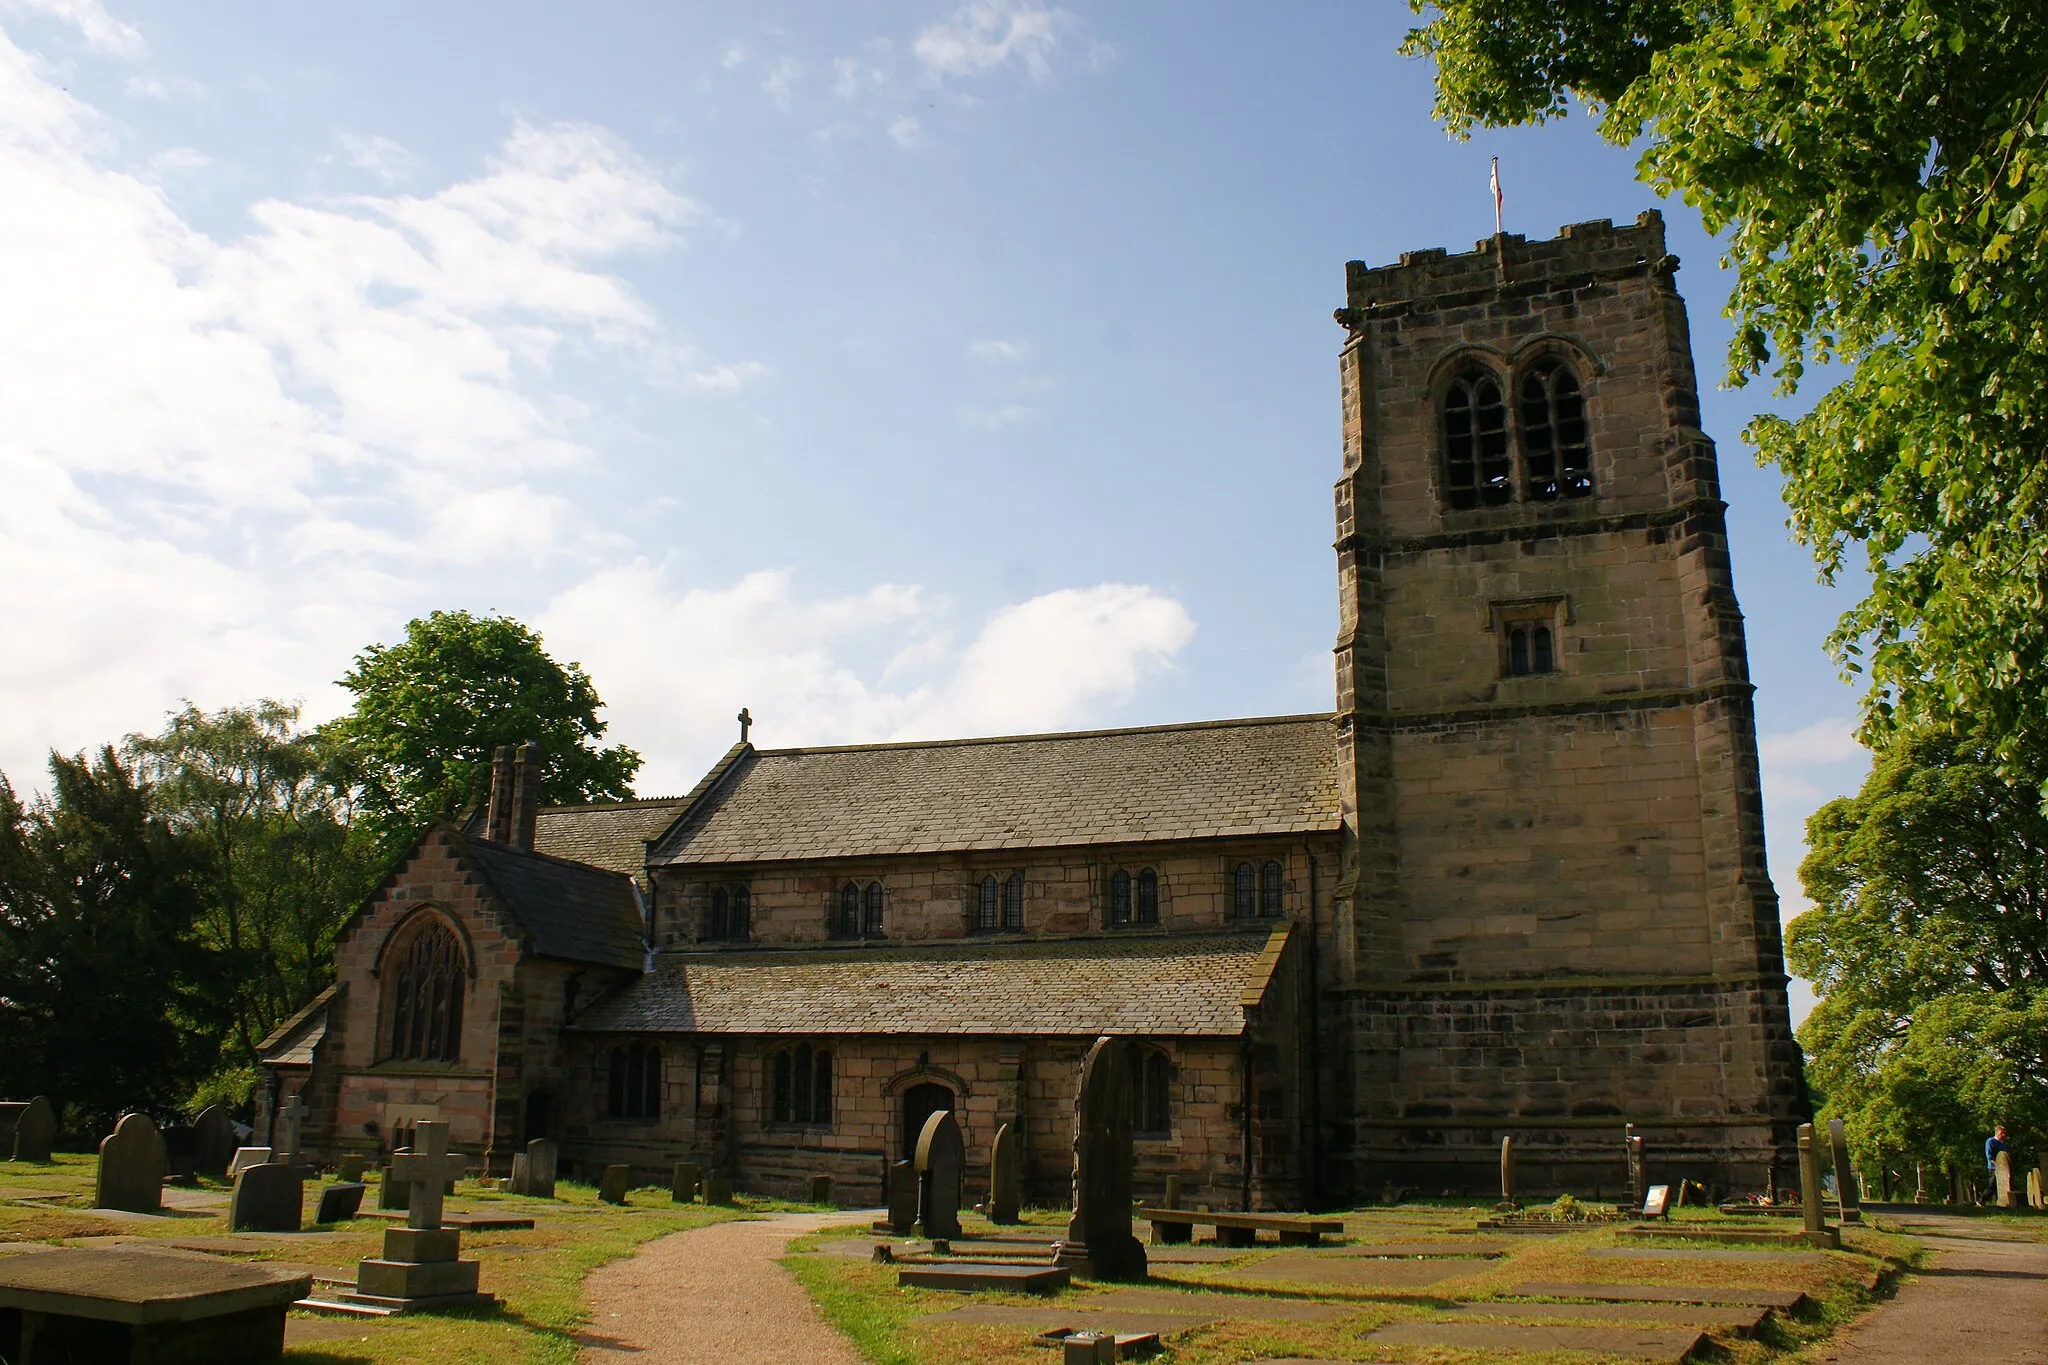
(1500, 240)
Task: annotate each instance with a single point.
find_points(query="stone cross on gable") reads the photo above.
(290, 1116)
(746, 723)
(427, 1168)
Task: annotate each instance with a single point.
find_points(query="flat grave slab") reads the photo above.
(1049, 1318)
(1470, 1247)
(1829, 1237)
(208, 1201)
(1242, 1307)
(116, 1302)
(12, 1195)
(1706, 1254)
(1667, 1345)
(1784, 1300)
(968, 1276)
(1355, 1270)
(1742, 1319)
(468, 1222)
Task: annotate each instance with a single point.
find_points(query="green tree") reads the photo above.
(430, 710)
(283, 866)
(98, 895)
(1928, 945)
(1880, 170)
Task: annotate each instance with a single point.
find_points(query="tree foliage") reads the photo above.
(1880, 170)
(430, 710)
(1928, 944)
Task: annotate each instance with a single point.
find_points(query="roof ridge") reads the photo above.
(631, 803)
(1244, 722)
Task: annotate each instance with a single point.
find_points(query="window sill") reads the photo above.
(636, 1121)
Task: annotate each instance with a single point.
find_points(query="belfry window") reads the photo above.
(1477, 469)
(634, 1091)
(1244, 892)
(800, 1085)
(1557, 461)
(727, 914)
(1269, 891)
(426, 1014)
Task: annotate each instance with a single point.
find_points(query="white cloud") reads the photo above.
(997, 351)
(381, 157)
(782, 80)
(985, 34)
(735, 54)
(677, 664)
(180, 159)
(906, 132)
(165, 88)
(853, 79)
(99, 28)
(1789, 760)
(1003, 415)
(725, 378)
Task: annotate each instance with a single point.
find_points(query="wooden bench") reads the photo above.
(1240, 1229)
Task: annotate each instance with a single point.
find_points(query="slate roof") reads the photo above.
(1275, 775)
(292, 1042)
(1068, 988)
(572, 911)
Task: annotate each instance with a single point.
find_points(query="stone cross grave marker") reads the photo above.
(1005, 1177)
(426, 1172)
(1507, 1169)
(1638, 1174)
(541, 1161)
(903, 1198)
(1809, 1181)
(28, 1129)
(131, 1174)
(1103, 1159)
(1848, 1195)
(213, 1141)
(941, 1162)
(291, 1116)
(267, 1198)
(682, 1184)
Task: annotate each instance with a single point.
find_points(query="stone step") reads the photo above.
(1664, 1345)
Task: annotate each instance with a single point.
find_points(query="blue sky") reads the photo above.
(893, 370)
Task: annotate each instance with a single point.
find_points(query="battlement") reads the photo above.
(1580, 253)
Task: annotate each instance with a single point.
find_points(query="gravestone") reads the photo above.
(181, 1154)
(718, 1189)
(351, 1167)
(1638, 1171)
(818, 1190)
(516, 1183)
(1101, 1228)
(1507, 1169)
(131, 1174)
(941, 1162)
(543, 1159)
(340, 1202)
(903, 1198)
(2034, 1188)
(1809, 1182)
(245, 1157)
(682, 1185)
(614, 1184)
(2002, 1172)
(291, 1117)
(1848, 1194)
(393, 1193)
(28, 1129)
(421, 1265)
(267, 1198)
(1006, 1177)
(213, 1141)
(1658, 1202)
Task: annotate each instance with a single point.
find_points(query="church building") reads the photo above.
(1513, 883)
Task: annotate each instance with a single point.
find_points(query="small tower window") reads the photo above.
(1528, 641)
(1269, 891)
(1244, 892)
(1477, 469)
(1557, 460)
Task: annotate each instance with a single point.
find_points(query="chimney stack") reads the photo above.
(498, 814)
(525, 796)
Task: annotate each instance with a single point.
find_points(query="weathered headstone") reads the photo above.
(1809, 1182)
(1638, 1170)
(1848, 1195)
(1006, 1177)
(131, 1172)
(518, 1179)
(28, 1129)
(1101, 1226)
(1507, 1169)
(2002, 1172)
(393, 1193)
(291, 1119)
(246, 1157)
(903, 1198)
(682, 1185)
(421, 1264)
(213, 1141)
(818, 1190)
(2035, 1185)
(612, 1187)
(941, 1162)
(543, 1159)
(267, 1198)
(351, 1166)
(718, 1189)
(340, 1202)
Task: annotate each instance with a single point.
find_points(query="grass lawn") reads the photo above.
(537, 1275)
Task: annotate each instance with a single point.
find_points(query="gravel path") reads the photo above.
(1984, 1299)
(713, 1294)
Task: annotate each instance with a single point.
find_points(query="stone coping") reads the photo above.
(142, 1287)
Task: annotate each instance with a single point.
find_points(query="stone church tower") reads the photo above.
(1554, 914)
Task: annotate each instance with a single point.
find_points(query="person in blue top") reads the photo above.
(1993, 1145)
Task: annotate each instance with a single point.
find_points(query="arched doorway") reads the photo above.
(920, 1102)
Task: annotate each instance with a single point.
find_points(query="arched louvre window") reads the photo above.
(634, 1089)
(1477, 469)
(426, 1016)
(873, 923)
(801, 1085)
(988, 910)
(1148, 897)
(1013, 901)
(1120, 897)
(849, 911)
(1557, 459)
(1244, 892)
(1151, 1092)
(1269, 891)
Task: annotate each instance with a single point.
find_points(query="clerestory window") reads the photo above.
(858, 913)
(728, 914)
(1133, 899)
(1269, 891)
(999, 905)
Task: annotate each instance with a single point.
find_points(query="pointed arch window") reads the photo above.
(1013, 902)
(728, 915)
(1151, 1092)
(1119, 898)
(426, 1012)
(800, 1085)
(858, 911)
(1270, 891)
(871, 921)
(999, 905)
(1557, 458)
(1478, 471)
(634, 1081)
(1244, 892)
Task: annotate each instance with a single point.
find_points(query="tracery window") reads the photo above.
(1477, 469)
(1151, 1092)
(634, 1091)
(426, 1014)
(729, 913)
(1244, 892)
(1557, 460)
(1133, 900)
(1269, 891)
(801, 1085)
(859, 912)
